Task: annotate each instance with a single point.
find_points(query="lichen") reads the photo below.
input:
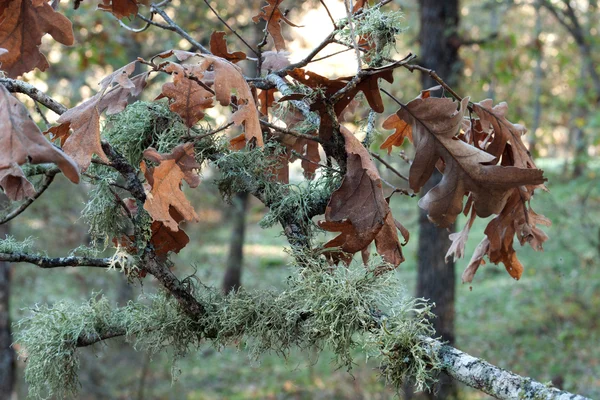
(342, 309)
(10, 245)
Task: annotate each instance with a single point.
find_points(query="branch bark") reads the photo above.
(495, 381)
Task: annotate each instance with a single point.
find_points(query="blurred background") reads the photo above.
(541, 57)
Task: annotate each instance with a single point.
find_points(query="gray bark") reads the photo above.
(495, 381)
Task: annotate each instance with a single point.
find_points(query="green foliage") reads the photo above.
(339, 309)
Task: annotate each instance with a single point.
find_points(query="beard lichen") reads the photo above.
(341, 309)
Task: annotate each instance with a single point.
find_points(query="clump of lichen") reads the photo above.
(378, 30)
(103, 213)
(342, 309)
(10, 245)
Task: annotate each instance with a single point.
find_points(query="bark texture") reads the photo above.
(436, 279)
(7, 354)
(495, 381)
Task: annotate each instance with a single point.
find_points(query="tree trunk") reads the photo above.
(233, 274)
(537, 80)
(436, 279)
(7, 354)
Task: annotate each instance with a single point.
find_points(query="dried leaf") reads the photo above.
(275, 60)
(459, 240)
(190, 99)
(165, 181)
(359, 210)
(274, 16)
(229, 78)
(20, 142)
(402, 131)
(84, 119)
(22, 26)
(435, 123)
(218, 46)
(120, 8)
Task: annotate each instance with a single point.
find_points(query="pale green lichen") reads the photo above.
(103, 214)
(341, 309)
(10, 245)
(379, 29)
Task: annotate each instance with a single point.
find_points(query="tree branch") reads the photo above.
(495, 381)
(48, 179)
(47, 262)
(16, 86)
(176, 28)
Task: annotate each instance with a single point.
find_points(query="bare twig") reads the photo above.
(48, 179)
(230, 28)
(194, 138)
(16, 86)
(348, 5)
(329, 13)
(388, 165)
(176, 28)
(290, 132)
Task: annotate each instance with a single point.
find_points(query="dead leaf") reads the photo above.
(359, 210)
(402, 131)
(165, 181)
(435, 123)
(229, 79)
(21, 141)
(84, 119)
(275, 60)
(190, 99)
(120, 8)
(218, 46)
(274, 16)
(21, 29)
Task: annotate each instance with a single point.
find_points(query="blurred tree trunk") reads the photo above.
(436, 279)
(537, 79)
(7, 354)
(233, 274)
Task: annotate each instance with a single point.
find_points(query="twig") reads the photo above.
(47, 262)
(435, 77)
(289, 132)
(176, 28)
(13, 85)
(230, 28)
(388, 165)
(48, 178)
(200, 137)
(329, 13)
(138, 30)
(348, 5)
(39, 111)
(284, 88)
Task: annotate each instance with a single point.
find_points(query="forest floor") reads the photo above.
(545, 326)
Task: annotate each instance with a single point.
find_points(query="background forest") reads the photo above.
(528, 53)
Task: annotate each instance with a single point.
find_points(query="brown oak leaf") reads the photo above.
(402, 131)
(359, 210)
(228, 79)
(165, 181)
(120, 8)
(435, 124)
(21, 141)
(274, 16)
(22, 26)
(84, 119)
(190, 99)
(218, 46)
